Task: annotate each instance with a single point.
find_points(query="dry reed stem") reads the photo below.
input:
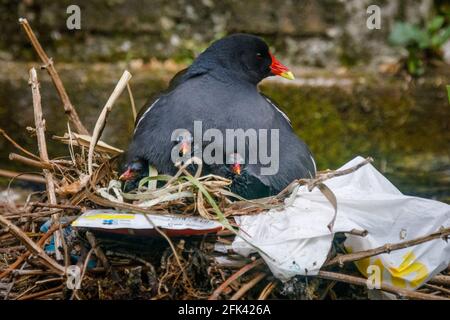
(385, 287)
(83, 272)
(24, 256)
(341, 259)
(101, 255)
(32, 246)
(30, 162)
(246, 287)
(43, 154)
(101, 121)
(267, 290)
(57, 206)
(16, 145)
(133, 105)
(215, 295)
(41, 293)
(22, 176)
(441, 279)
(172, 247)
(434, 287)
(49, 66)
(312, 183)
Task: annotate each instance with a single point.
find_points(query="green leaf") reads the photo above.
(154, 178)
(407, 35)
(402, 34)
(422, 38)
(415, 66)
(435, 24)
(211, 201)
(440, 38)
(448, 92)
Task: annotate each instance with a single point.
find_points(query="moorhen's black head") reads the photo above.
(246, 56)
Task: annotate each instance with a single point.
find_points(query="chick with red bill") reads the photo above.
(243, 182)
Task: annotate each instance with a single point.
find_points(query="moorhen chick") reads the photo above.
(244, 182)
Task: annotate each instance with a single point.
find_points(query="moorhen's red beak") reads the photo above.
(127, 175)
(280, 69)
(236, 168)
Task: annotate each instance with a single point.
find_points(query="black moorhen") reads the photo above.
(220, 89)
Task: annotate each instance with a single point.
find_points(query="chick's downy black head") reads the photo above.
(246, 56)
(243, 182)
(134, 171)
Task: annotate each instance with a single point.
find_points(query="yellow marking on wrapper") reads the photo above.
(103, 216)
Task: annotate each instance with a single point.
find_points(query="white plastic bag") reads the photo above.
(298, 241)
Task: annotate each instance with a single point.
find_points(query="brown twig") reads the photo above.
(101, 121)
(322, 176)
(441, 279)
(57, 206)
(31, 272)
(32, 246)
(42, 146)
(233, 277)
(133, 257)
(430, 286)
(83, 272)
(172, 247)
(133, 105)
(341, 259)
(242, 290)
(22, 176)
(41, 293)
(15, 144)
(267, 290)
(101, 255)
(385, 287)
(30, 162)
(356, 232)
(49, 66)
(24, 256)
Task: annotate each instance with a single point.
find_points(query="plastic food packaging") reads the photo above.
(123, 222)
(297, 240)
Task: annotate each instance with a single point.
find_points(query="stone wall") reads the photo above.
(316, 33)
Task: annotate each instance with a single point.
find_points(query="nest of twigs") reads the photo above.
(125, 267)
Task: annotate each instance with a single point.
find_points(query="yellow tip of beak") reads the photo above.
(288, 75)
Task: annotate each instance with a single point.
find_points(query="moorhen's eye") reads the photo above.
(259, 56)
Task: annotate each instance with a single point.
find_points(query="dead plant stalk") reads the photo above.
(42, 145)
(49, 66)
(101, 121)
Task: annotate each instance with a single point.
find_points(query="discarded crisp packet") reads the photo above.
(125, 222)
(298, 241)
